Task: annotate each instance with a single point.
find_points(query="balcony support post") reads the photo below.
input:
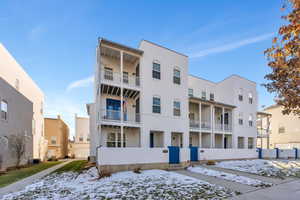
(223, 119)
(122, 114)
(200, 116)
(212, 121)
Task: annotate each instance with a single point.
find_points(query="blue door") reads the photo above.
(194, 153)
(259, 153)
(174, 155)
(151, 140)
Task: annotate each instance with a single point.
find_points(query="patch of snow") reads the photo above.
(150, 184)
(229, 176)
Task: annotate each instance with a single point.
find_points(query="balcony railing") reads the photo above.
(205, 125)
(227, 127)
(115, 115)
(194, 123)
(115, 77)
(218, 127)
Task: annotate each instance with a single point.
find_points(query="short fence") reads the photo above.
(278, 153)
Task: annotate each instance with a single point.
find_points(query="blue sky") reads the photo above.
(55, 40)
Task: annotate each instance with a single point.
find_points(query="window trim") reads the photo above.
(176, 109)
(191, 94)
(176, 78)
(155, 62)
(156, 105)
(3, 111)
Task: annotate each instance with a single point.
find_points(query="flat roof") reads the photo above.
(120, 46)
(212, 102)
(263, 113)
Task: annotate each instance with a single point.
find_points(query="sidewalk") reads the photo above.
(19, 185)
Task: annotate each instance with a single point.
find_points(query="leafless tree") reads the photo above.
(17, 144)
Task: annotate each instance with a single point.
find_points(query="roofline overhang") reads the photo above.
(212, 102)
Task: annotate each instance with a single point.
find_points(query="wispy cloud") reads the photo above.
(36, 32)
(231, 46)
(81, 83)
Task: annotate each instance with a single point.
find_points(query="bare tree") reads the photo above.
(3, 144)
(17, 144)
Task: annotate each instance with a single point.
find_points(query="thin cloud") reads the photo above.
(81, 83)
(36, 32)
(231, 46)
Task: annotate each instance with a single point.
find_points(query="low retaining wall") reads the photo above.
(226, 154)
(279, 153)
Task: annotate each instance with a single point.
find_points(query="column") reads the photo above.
(200, 140)
(223, 116)
(212, 126)
(122, 116)
(200, 116)
(223, 141)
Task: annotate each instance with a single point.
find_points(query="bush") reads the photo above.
(104, 173)
(137, 170)
(53, 158)
(211, 162)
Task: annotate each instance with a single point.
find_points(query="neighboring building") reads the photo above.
(15, 75)
(16, 113)
(57, 133)
(263, 130)
(284, 129)
(81, 145)
(145, 101)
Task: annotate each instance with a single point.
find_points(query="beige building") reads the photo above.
(57, 133)
(81, 145)
(15, 76)
(16, 113)
(284, 129)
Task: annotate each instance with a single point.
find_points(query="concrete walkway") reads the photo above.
(238, 187)
(290, 191)
(19, 185)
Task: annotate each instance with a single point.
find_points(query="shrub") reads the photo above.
(211, 162)
(137, 170)
(104, 173)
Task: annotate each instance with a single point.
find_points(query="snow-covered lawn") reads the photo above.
(229, 176)
(150, 184)
(278, 168)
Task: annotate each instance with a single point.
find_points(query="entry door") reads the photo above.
(194, 153)
(174, 155)
(151, 140)
(225, 142)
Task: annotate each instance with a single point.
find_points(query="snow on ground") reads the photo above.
(279, 168)
(229, 177)
(150, 184)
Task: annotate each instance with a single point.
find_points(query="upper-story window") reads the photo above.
(241, 94)
(4, 109)
(156, 105)
(211, 96)
(241, 119)
(53, 139)
(17, 84)
(203, 95)
(176, 76)
(176, 108)
(250, 120)
(125, 77)
(191, 92)
(108, 73)
(42, 108)
(80, 139)
(250, 98)
(156, 70)
(281, 129)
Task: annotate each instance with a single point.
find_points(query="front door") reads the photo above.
(194, 153)
(151, 140)
(174, 155)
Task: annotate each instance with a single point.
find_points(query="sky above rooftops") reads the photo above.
(55, 41)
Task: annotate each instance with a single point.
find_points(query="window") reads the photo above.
(80, 139)
(176, 108)
(241, 94)
(240, 118)
(250, 120)
(17, 84)
(250, 98)
(240, 142)
(156, 71)
(203, 95)
(108, 74)
(114, 140)
(281, 129)
(191, 92)
(53, 140)
(250, 143)
(3, 107)
(211, 96)
(156, 105)
(176, 76)
(125, 77)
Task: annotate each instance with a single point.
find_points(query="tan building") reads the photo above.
(57, 133)
(284, 129)
(81, 145)
(15, 75)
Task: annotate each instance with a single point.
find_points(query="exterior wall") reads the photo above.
(291, 136)
(15, 75)
(19, 122)
(58, 129)
(226, 154)
(166, 90)
(81, 149)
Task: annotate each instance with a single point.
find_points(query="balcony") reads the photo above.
(218, 127)
(110, 77)
(195, 124)
(205, 125)
(115, 116)
(227, 128)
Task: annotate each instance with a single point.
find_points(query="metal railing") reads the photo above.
(205, 125)
(194, 123)
(218, 127)
(115, 77)
(227, 127)
(115, 115)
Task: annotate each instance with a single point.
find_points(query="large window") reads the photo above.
(250, 98)
(176, 108)
(176, 76)
(156, 105)
(4, 109)
(250, 143)
(191, 92)
(240, 142)
(250, 120)
(241, 94)
(156, 71)
(211, 96)
(114, 140)
(53, 140)
(108, 74)
(241, 119)
(203, 95)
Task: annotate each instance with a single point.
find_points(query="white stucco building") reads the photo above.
(81, 145)
(15, 75)
(146, 103)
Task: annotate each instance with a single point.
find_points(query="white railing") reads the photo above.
(218, 126)
(194, 123)
(115, 77)
(227, 127)
(115, 115)
(205, 125)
